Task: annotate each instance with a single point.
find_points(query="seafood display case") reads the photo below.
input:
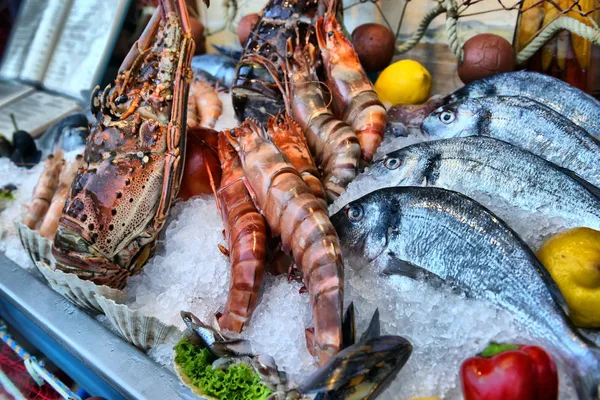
(297, 217)
(98, 359)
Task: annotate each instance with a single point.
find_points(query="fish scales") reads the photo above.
(486, 170)
(524, 123)
(446, 236)
(570, 102)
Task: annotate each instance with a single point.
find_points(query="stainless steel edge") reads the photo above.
(120, 364)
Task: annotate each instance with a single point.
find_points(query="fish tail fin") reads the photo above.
(587, 380)
(593, 383)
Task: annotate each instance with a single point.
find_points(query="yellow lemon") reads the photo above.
(404, 82)
(573, 259)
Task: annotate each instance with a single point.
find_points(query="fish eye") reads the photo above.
(354, 213)
(392, 163)
(447, 117)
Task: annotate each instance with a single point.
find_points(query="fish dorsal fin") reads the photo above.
(554, 290)
(590, 187)
(374, 329)
(552, 286)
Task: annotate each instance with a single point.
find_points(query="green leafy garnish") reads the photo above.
(238, 382)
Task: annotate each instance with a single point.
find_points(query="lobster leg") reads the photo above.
(176, 131)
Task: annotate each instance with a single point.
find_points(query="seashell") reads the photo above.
(81, 293)
(143, 331)
(37, 247)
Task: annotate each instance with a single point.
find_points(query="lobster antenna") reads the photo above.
(331, 6)
(325, 89)
(213, 186)
(253, 33)
(330, 94)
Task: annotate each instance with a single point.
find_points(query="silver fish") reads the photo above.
(228, 352)
(524, 123)
(218, 344)
(448, 238)
(492, 172)
(568, 101)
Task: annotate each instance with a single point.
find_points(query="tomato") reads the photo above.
(200, 157)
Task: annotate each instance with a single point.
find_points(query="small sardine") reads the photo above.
(524, 123)
(218, 344)
(568, 101)
(492, 172)
(445, 237)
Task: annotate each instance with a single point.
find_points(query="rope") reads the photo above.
(451, 22)
(34, 367)
(420, 32)
(568, 23)
(451, 9)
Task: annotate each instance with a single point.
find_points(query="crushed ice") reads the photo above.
(188, 271)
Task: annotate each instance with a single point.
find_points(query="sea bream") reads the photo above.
(568, 101)
(443, 236)
(497, 174)
(524, 123)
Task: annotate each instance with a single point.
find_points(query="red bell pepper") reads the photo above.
(507, 371)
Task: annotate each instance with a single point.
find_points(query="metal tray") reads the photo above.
(95, 357)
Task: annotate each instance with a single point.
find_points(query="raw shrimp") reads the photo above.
(192, 112)
(288, 137)
(331, 141)
(294, 213)
(354, 99)
(44, 190)
(245, 230)
(208, 104)
(68, 173)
